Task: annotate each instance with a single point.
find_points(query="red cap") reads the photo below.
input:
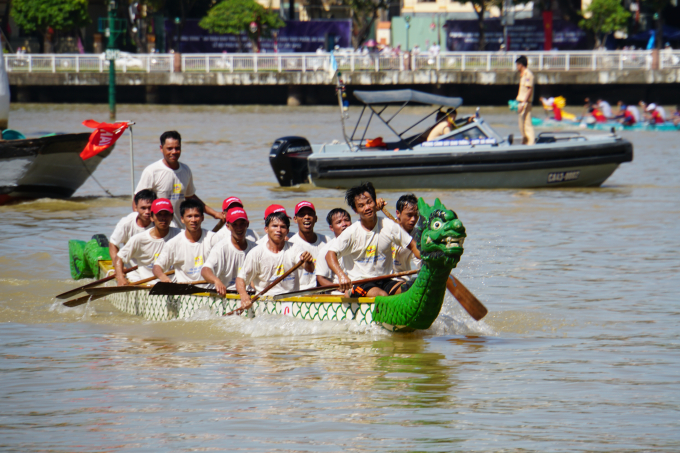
(230, 201)
(304, 204)
(236, 213)
(274, 208)
(161, 204)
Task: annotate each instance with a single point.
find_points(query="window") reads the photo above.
(469, 134)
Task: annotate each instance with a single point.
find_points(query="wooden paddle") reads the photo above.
(219, 226)
(270, 286)
(80, 289)
(464, 297)
(179, 289)
(324, 288)
(116, 289)
(86, 299)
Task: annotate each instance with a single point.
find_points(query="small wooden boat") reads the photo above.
(440, 239)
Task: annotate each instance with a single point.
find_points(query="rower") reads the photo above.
(271, 259)
(271, 209)
(307, 239)
(368, 244)
(186, 252)
(143, 248)
(133, 223)
(171, 179)
(407, 218)
(338, 220)
(227, 257)
(654, 115)
(223, 233)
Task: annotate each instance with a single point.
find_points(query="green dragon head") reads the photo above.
(440, 234)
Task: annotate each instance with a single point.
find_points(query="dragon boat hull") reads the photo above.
(314, 308)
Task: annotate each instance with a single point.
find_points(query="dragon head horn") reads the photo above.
(438, 206)
(424, 209)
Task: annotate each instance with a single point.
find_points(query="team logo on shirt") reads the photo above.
(394, 252)
(198, 261)
(279, 270)
(177, 188)
(370, 251)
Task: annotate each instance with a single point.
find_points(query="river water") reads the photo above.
(580, 350)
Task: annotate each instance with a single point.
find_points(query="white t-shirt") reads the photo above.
(606, 109)
(636, 113)
(308, 279)
(404, 260)
(263, 266)
(175, 185)
(369, 252)
(322, 268)
(187, 258)
(126, 228)
(264, 239)
(226, 261)
(142, 250)
(662, 112)
(225, 233)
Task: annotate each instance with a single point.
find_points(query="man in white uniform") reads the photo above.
(307, 239)
(186, 252)
(227, 257)
(170, 179)
(223, 233)
(133, 223)
(338, 220)
(269, 261)
(143, 248)
(407, 218)
(368, 244)
(271, 209)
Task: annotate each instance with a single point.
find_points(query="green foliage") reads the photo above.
(235, 16)
(39, 15)
(603, 17)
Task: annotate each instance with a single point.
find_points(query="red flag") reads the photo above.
(104, 136)
(548, 29)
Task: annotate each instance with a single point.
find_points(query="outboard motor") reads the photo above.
(288, 158)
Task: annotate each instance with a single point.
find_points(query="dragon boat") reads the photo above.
(439, 237)
(551, 123)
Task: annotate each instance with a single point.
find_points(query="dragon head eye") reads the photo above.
(437, 224)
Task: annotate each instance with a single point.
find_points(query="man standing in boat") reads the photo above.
(143, 248)
(170, 179)
(136, 222)
(525, 96)
(368, 244)
(227, 257)
(227, 204)
(271, 259)
(186, 252)
(338, 220)
(306, 239)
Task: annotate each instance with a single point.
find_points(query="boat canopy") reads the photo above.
(400, 96)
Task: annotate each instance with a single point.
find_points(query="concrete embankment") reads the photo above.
(295, 88)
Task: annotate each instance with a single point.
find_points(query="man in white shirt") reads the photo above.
(368, 244)
(605, 108)
(271, 209)
(186, 252)
(170, 179)
(307, 239)
(227, 257)
(143, 248)
(133, 223)
(407, 218)
(338, 220)
(223, 233)
(269, 261)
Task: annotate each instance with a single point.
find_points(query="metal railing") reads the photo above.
(347, 62)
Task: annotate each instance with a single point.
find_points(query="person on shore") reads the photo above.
(170, 179)
(143, 248)
(525, 96)
(271, 259)
(368, 245)
(228, 255)
(271, 209)
(338, 220)
(307, 240)
(133, 223)
(186, 253)
(223, 233)
(407, 218)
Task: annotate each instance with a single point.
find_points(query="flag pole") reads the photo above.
(132, 162)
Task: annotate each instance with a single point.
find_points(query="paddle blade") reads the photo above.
(466, 299)
(80, 301)
(73, 292)
(114, 290)
(176, 289)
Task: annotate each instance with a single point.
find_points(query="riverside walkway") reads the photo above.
(296, 71)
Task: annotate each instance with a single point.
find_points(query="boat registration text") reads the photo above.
(563, 176)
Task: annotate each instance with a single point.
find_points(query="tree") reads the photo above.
(44, 16)
(236, 16)
(603, 17)
(658, 6)
(364, 14)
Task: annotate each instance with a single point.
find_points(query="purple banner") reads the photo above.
(526, 34)
(296, 36)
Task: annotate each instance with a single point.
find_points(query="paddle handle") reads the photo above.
(75, 291)
(389, 216)
(270, 286)
(219, 226)
(170, 272)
